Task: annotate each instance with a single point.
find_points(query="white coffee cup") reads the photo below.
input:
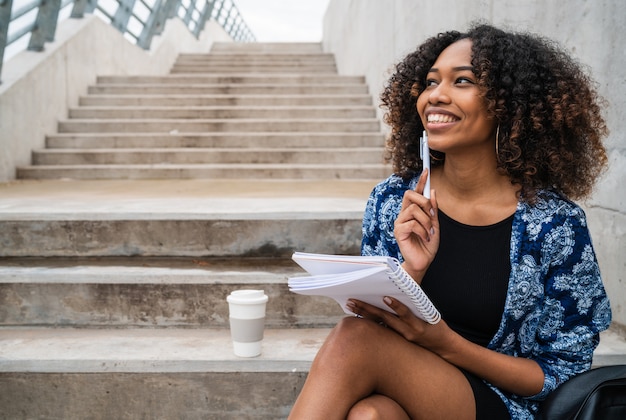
(247, 321)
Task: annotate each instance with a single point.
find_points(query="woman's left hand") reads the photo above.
(431, 336)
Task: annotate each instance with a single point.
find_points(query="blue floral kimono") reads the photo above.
(556, 304)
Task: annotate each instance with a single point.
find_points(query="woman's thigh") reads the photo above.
(376, 360)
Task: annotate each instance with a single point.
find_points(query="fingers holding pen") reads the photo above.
(414, 221)
(413, 196)
(417, 216)
(416, 230)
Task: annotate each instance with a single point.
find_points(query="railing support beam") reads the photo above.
(156, 21)
(45, 25)
(205, 15)
(5, 18)
(83, 6)
(122, 15)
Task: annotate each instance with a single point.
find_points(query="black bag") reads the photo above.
(599, 394)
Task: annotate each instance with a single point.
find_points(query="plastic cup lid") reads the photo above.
(247, 297)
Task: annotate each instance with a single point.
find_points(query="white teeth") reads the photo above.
(440, 118)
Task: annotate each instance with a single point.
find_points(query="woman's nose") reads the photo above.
(439, 94)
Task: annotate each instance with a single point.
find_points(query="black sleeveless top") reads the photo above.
(468, 279)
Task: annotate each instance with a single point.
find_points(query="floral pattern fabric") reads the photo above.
(556, 304)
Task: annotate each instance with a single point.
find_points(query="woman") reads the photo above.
(514, 128)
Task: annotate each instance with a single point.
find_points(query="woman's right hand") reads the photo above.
(417, 229)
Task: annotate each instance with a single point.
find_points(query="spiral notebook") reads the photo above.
(365, 278)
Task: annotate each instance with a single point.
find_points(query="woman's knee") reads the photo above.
(352, 342)
(364, 411)
(356, 329)
(377, 407)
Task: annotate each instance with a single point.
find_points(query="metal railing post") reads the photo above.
(171, 9)
(205, 15)
(122, 15)
(219, 12)
(45, 25)
(156, 21)
(5, 18)
(83, 6)
(189, 12)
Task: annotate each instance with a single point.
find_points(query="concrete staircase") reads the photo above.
(249, 111)
(155, 199)
(112, 294)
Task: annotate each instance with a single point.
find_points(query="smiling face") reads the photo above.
(451, 107)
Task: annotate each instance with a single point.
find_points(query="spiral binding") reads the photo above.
(407, 285)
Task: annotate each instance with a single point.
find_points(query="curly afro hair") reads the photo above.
(547, 109)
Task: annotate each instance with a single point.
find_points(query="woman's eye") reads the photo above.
(463, 80)
(431, 82)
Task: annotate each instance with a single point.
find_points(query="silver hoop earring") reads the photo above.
(497, 141)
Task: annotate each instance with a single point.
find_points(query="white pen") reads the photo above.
(425, 155)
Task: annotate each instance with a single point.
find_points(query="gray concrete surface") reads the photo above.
(188, 197)
(140, 292)
(185, 218)
(155, 374)
(192, 350)
(134, 350)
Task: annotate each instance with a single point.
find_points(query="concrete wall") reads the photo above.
(38, 87)
(369, 36)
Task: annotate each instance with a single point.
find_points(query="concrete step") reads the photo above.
(156, 227)
(259, 64)
(253, 68)
(189, 155)
(252, 56)
(148, 373)
(149, 350)
(239, 125)
(190, 69)
(221, 112)
(218, 140)
(232, 78)
(142, 292)
(228, 89)
(181, 218)
(207, 171)
(258, 60)
(267, 47)
(174, 373)
(225, 100)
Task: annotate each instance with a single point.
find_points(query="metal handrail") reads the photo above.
(138, 20)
